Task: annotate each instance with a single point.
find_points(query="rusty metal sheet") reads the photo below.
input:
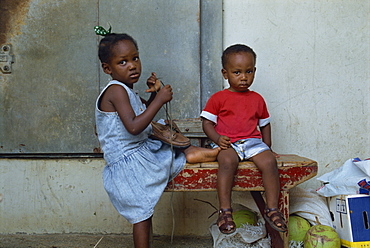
(47, 101)
(168, 36)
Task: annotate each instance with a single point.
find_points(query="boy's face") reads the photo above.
(125, 65)
(239, 71)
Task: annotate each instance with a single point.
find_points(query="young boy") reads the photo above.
(236, 119)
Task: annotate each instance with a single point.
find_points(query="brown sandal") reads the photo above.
(275, 219)
(225, 221)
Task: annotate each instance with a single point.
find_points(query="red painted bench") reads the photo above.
(293, 170)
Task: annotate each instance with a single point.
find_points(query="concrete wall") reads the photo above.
(313, 70)
(313, 63)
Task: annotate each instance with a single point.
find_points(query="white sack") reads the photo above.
(309, 205)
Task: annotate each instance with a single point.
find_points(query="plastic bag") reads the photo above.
(344, 180)
(247, 236)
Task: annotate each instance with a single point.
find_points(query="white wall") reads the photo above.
(313, 70)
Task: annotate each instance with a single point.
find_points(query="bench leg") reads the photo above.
(276, 240)
(284, 201)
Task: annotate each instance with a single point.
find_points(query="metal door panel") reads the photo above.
(47, 101)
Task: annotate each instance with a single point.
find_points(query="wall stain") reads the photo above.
(12, 13)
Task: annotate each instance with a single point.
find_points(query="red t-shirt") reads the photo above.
(237, 114)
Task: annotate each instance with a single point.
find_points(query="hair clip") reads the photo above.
(99, 30)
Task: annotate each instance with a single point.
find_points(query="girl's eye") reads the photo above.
(237, 73)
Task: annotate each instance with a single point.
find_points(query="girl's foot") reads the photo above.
(196, 154)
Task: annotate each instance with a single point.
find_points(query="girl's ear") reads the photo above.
(106, 68)
(224, 73)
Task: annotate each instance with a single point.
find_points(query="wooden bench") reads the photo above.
(293, 170)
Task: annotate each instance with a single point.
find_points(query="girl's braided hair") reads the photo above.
(108, 42)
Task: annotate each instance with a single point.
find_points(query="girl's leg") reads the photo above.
(195, 154)
(142, 233)
(228, 162)
(266, 163)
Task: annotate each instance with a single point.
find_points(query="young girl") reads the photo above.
(138, 167)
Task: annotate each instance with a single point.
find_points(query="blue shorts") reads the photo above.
(247, 148)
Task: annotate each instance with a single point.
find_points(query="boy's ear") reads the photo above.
(106, 68)
(224, 73)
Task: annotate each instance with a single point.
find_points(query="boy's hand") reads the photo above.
(153, 83)
(275, 154)
(223, 142)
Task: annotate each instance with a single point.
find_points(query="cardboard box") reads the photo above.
(351, 219)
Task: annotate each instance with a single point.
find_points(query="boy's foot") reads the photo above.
(275, 218)
(196, 154)
(225, 221)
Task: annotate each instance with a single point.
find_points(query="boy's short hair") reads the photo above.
(237, 48)
(108, 42)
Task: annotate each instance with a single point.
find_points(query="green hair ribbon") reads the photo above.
(99, 30)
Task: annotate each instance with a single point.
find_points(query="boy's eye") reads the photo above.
(136, 58)
(122, 62)
(249, 72)
(236, 72)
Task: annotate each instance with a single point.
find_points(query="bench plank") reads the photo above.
(293, 170)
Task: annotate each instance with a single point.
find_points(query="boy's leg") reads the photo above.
(266, 163)
(228, 162)
(142, 233)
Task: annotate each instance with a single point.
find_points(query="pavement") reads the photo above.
(97, 241)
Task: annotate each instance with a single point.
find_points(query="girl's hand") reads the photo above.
(165, 94)
(153, 83)
(224, 142)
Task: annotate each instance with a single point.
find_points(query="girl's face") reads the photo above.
(239, 71)
(125, 65)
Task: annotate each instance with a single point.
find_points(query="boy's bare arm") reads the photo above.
(266, 134)
(266, 137)
(209, 129)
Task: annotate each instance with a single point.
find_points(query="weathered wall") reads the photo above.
(313, 61)
(67, 196)
(313, 70)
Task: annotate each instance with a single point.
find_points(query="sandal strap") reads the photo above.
(268, 210)
(224, 210)
(276, 213)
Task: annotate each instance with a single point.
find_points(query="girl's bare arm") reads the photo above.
(118, 97)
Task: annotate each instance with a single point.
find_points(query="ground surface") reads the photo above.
(91, 241)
